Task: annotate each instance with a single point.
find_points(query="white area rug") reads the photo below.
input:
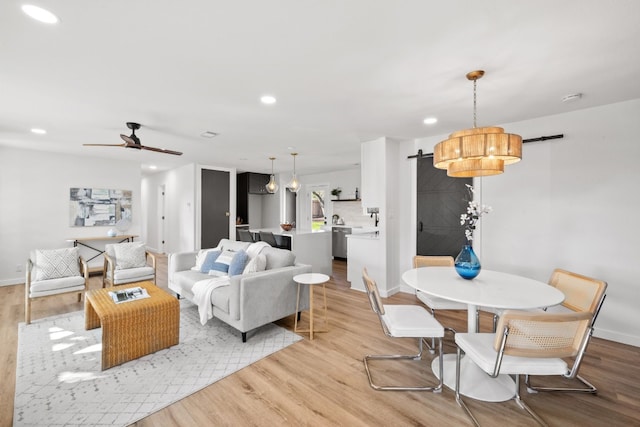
(59, 381)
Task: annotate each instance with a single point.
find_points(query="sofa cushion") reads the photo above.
(56, 263)
(210, 259)
(238, 262)
(258, 263)
(277, 258)
(220, 298)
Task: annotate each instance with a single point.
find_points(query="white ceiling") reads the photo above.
(343, 71)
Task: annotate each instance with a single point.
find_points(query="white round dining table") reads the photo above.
(490, 289)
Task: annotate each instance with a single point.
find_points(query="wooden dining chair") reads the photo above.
(582, 294)
(526, 343)
(403, 321)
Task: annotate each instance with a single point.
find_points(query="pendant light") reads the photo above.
(294, 185)
(272, 186)
(478, 151)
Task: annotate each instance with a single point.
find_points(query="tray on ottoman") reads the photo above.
(134, 328)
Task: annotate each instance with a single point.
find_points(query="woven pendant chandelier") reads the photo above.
(477, 151)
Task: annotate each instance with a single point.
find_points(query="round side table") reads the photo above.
(311, 279)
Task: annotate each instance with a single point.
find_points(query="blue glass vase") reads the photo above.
(467, 263)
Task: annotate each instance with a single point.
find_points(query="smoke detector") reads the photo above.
(571, 97)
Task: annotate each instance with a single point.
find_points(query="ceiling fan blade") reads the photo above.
(105, 145)
(161, 150)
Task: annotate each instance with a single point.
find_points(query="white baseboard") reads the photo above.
(11, 282)
(633, 340)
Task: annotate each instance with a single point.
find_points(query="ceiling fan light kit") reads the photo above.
(132, 141)
(478, 151)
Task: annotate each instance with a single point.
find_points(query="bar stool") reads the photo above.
(311, 279)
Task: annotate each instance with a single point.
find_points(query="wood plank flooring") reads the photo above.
(323, 382)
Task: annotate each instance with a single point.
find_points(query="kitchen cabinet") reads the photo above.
(248, 185)
(253, 183)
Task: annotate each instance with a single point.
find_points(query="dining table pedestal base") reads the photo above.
(474, 382)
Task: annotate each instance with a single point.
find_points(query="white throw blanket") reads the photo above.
(202, 291)
(255, 248)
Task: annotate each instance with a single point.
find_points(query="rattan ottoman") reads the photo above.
(135, 328)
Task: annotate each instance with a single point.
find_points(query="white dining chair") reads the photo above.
(403, 321)
(582, 294)
(526, 343)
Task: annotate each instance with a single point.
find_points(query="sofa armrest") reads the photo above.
(181, 261)
(260, 298)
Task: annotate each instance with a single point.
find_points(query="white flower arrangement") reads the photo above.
(473, 214)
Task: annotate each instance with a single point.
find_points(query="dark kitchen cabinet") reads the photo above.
(248, 183)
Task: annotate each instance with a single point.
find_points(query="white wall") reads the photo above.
(570, 203)
(34, 195)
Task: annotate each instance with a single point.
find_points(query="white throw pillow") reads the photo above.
(258, 263)
(129, 255)
(56, 263)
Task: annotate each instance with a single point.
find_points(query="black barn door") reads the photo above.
(440, 201)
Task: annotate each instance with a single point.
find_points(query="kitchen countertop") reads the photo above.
(293, 232)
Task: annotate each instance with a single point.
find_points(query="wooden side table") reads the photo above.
(311, 279)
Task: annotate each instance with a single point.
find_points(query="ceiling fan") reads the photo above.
(132, 141)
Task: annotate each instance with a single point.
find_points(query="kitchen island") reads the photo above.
(312, 247)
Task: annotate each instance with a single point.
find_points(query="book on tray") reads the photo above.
(130, 294)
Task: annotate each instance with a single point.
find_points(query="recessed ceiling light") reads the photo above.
(208, 134)
(153, 167)
(39, 14)
(268, 99)
(430, 121)
(38, 131)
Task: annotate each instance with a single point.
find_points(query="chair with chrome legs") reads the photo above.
(526, 343)
(403, 321)
(582, 294)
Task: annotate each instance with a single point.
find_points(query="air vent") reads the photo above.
(208, 134)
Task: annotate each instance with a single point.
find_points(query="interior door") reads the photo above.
(440, 201)
(215, 207)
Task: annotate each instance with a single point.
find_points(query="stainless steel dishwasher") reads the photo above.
(339, 241)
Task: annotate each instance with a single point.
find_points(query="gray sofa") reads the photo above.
(251, 300)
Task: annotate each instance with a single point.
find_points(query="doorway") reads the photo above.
(214, 192)
(440, 202)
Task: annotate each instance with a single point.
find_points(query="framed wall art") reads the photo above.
(90, 207)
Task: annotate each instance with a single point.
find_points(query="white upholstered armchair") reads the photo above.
(54, 272)
(127, 263)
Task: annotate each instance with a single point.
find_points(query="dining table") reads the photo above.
(493, 289)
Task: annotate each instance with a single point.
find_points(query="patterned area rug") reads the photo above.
(59, 381)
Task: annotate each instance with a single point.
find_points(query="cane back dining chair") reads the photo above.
(402, 321)
(526, 343)
(54, 272)
(582, 294)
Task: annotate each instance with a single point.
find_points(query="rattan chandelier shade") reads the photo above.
(477, 151)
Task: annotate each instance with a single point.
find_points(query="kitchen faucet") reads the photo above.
(374, 214)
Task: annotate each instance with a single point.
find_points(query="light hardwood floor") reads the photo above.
(323, 382)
